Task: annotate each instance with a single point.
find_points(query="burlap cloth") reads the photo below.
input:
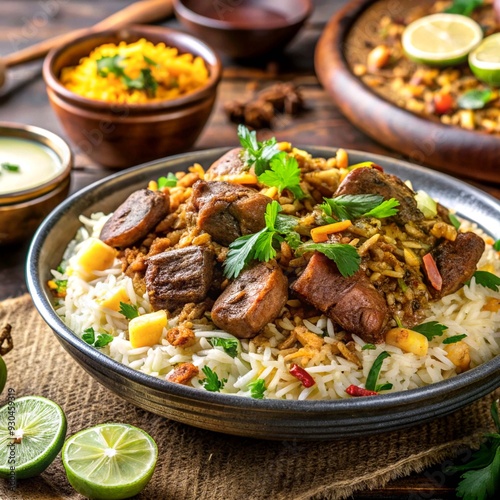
(198, 464)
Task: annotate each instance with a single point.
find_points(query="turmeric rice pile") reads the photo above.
(135, 73)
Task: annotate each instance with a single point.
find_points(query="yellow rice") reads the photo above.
(176, 74)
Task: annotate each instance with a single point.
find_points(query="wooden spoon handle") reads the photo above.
(144, 11)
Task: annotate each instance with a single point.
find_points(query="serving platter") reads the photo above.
(267, 419)
(466, 153)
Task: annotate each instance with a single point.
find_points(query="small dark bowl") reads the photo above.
(246, 28)
(123, 135)
(269, 419)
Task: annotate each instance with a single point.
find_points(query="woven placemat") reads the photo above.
(198, 464)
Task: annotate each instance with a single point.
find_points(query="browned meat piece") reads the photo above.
(176, 277)
(251, 301)
(135, 218)
(457, 262)
(181, 336)
(228, 164)
(351, 302)
(373, 181)
(183, 373)
(227, 211)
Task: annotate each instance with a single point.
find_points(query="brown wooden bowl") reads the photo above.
(462, 152)
(122, 135)
(246, 28)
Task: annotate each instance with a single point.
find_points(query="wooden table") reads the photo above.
(23, 22)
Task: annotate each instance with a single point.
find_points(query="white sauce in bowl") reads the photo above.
(37, 163)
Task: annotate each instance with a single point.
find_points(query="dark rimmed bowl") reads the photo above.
(268, 419)
(122, 135)
(247, 28)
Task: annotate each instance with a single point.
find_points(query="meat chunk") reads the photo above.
(457, 262)
(373, 181)
(138, 215)
(183, 373)
(177, 277)
(351, 302)
(227, 211)
(228, 164)
(251, 301)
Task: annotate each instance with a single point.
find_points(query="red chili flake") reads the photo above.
(300, 374)
(354, 390)
(432, 271)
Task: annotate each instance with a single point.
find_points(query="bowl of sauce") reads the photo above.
(35, 171)
(244, 28)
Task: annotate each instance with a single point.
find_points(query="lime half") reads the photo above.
(109, 461)
(32, 431)
(484, 61)
(441, 39)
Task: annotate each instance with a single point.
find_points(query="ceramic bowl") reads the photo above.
(23, 208)
(269, 419)
(246, 28)
(122, 135)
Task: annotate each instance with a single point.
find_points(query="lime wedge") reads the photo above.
(3, 374)
(441, 39)
(32, 431)
(484, 61)
(109, 461)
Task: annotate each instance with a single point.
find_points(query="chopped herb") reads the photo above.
(150, 61)
(386, 209)
(241, 252)
(283, 173)
(430, 329)
(384, 387)
(345, 256)
(60, 269)
(454, 220)
(129, 310)
(212, 382)
(11, 167)
(454, 339)
(256, 153)
(257, 388)
(145, 81)
(230, 346)
(293, 240)
(480, 478)
(475, 99)
(169, 181)
(348, 207)
(463, 7)
(496, 245)
(89, 336)
(368, 347)
(488, 280)
(110, 65)
(402, 285)
(103, 339)
(371, 380)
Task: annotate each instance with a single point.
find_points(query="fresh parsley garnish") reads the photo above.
(454, 339)
(480, 478)
(345, 256)
(283, 173)
(454, 221)
(488, 280)
(430, 329)
(256, 153)
(349, 207)
(475, 99)
(230, 346)
(10, 167)
(89, 336)
(371, 379)
(129, 310)
(212, 382)
(257, 388)
(368, 347)
(496, 245)
(169, 181)
(102, 340)
(463, 7)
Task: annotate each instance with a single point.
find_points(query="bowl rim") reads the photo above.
(48, 139)
(184, 11)
(397, 400)
(209, 56)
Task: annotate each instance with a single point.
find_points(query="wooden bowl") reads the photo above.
(23, 209)
(452, 149)
(246, 28)
(122, 135)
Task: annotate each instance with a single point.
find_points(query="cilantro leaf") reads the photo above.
(230, 346)
(110, 64)
(496, 245)
(475, 99)
(256, 153)
(103, 339)
(129, 310)
(349, 206)
(386, 209)
(145, 81)
(11, 167)
(463, 7)
(371, 379)
(169, 181)
(345, 256)
(240, 253)
(488, 280)
(285, 224)
(283, 173)
(430, 329)
(257, 388)
(454, 220)
(89, 336)
(454, 339)
(212, 382)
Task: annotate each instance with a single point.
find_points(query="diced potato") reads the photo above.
(94, 255)
(458, 354)
(112, 299)
(146, 330)
(407, 341)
